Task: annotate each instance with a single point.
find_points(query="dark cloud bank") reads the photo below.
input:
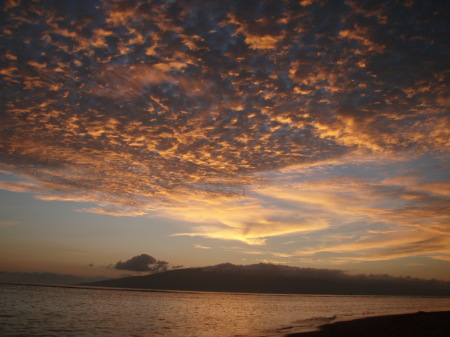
(142, 263)
(139, 263)
(46, 278)
(269, 278)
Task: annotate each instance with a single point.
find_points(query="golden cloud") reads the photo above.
(229, 122)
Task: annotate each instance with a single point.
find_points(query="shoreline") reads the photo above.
(419, 324)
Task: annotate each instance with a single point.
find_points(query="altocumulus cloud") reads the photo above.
(197, 107)
(142, 263)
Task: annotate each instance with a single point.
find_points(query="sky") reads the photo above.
(311, 133)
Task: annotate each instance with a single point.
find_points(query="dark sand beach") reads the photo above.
(423, 324)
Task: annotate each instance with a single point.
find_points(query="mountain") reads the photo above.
(269, 278)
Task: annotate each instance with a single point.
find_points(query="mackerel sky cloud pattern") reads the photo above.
(217, 113)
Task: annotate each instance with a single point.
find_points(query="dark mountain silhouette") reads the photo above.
(269, 278)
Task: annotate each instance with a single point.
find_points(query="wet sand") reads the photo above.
(420, 324)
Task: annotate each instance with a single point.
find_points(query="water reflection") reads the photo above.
(34, 311)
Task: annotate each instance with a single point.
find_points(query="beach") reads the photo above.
(420, 324)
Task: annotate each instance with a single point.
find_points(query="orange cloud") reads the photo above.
(242, 125)
(244, 219)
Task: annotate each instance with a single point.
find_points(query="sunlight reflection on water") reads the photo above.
(54, 311)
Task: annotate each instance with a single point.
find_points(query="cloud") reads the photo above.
(372, 217)
(113, 211)
(200, 246)
(47, 278)
(245, 123)
(178, 111)
(142, 263)
(4, 223)
(247, 219)
(386, 246)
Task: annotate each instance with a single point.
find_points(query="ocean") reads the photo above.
(28, 310)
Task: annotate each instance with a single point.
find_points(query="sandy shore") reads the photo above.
(423, 324)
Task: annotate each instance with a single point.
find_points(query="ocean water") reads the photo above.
(57, 311)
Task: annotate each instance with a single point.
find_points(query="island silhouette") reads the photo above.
(278, 279)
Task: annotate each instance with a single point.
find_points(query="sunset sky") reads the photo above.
(312, 133)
